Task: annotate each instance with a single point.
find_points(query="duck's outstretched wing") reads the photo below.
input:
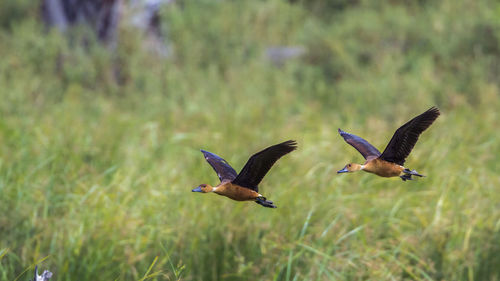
(406, 136)
(221, 167)
(361, 145)
(259, 164)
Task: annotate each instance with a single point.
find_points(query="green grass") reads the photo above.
(99, 149)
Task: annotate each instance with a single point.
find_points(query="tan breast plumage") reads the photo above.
(236, 192)
(383, 168)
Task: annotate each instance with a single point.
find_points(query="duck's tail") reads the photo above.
(407, 174)
(264, 202)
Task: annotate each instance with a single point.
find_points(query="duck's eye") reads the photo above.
(349, 165)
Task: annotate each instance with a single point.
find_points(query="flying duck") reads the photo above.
(390, 162)
(244, 186)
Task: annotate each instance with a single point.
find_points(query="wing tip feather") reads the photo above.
(290, 144)
(434, 110)
(206, 154)
(343, 133)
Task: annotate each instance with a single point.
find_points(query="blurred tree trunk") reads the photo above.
(101, 15)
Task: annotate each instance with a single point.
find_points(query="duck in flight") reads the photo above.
(244, 186)
(390, 162)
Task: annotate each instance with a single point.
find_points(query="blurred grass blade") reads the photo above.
(352, 232)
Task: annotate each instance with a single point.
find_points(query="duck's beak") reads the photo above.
(342, 171)
(198, 189)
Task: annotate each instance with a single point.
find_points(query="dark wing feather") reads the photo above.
(361, 145)
(259, 164)
(406, 136)
(221, 167)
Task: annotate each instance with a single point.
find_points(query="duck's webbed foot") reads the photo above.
(408, 173)
(264, 202)
(406, 177)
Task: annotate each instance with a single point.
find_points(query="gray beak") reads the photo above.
(342, 171)
(198, 189)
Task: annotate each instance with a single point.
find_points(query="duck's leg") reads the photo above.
(264, 202)
(412, 173)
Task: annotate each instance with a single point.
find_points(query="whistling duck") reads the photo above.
(390, 162)
(244, 186)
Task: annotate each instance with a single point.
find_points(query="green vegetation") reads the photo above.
(99, 149)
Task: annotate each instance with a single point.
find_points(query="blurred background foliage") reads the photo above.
(99, 142)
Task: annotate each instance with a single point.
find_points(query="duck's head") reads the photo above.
(203, 188)
(351, 167)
